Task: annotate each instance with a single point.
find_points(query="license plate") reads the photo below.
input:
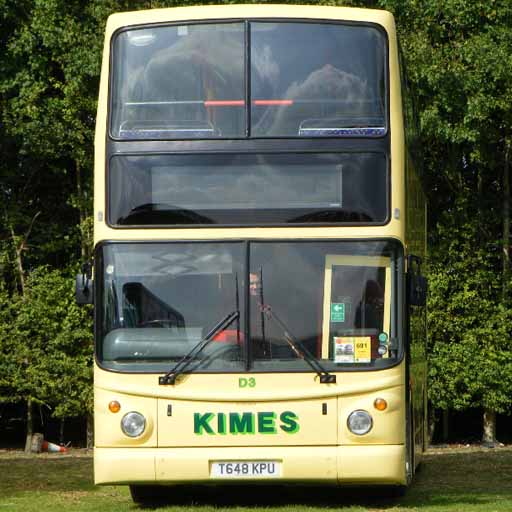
(246, 469)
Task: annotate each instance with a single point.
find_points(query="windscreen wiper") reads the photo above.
(299, 349)
(184, 363)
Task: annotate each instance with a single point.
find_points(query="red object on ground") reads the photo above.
(52, 447)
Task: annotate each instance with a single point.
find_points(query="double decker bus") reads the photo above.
(259, 231)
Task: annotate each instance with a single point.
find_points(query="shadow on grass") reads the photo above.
(266, 496)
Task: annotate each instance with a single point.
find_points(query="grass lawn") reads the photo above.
(450, 480)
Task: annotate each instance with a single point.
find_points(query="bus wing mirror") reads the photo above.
(84, 286)
(417, 284)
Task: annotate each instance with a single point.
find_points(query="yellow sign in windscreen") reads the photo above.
(352, 349)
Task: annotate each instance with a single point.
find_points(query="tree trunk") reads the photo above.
(90, 430)
(432, 422)
(19, 262)
(81, 212)
(489, 423)
(19, 248)
(446, 425)
(489, 417)
(506, 226)
(61, 431)
(30, 427)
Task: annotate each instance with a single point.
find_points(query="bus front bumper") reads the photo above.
(371, 464)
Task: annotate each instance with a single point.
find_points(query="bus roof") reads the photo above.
(242, 11)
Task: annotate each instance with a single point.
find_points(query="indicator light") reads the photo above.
(380, 404)
(114, 406)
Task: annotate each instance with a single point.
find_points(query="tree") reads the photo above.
(46, 351)
(48, 88)
(459, 56)
(470, 364)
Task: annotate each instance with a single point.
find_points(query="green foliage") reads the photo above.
(459, 57)
(470, 327)
(46, 346)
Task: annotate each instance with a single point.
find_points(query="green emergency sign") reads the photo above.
(337, 312)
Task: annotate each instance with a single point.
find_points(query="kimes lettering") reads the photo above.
(245, 423)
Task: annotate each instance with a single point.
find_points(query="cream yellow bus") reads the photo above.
(259, 232)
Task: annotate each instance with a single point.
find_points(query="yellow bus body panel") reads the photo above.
(322, 450)
(378, 464)
(395, 228)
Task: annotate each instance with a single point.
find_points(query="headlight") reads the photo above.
(133, 424)
(359, 422)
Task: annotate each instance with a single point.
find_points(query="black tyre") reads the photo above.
(147, 494)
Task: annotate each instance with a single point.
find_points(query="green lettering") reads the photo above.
(221, 423)
(289, 422)
(241, 423)
(201, 423)
(266, 422)
(246, 383)
(244, 423)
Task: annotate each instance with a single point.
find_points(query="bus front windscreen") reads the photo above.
(254, 79)
(262, 306)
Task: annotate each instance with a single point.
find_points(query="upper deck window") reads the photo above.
(248, 189)
(306, 80)
(311, 79)
(179, 82)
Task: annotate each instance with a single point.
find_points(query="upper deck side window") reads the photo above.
(255, 79)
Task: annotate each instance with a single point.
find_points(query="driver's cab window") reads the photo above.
(356, 325)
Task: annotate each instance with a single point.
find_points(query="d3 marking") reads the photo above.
(246, 383)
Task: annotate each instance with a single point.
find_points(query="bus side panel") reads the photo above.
(372, 465)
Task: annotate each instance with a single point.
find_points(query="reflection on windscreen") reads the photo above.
(306, 80)
(316, 80)
(161, 300)
(334, 306)
(329, 301)
(179, 82)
